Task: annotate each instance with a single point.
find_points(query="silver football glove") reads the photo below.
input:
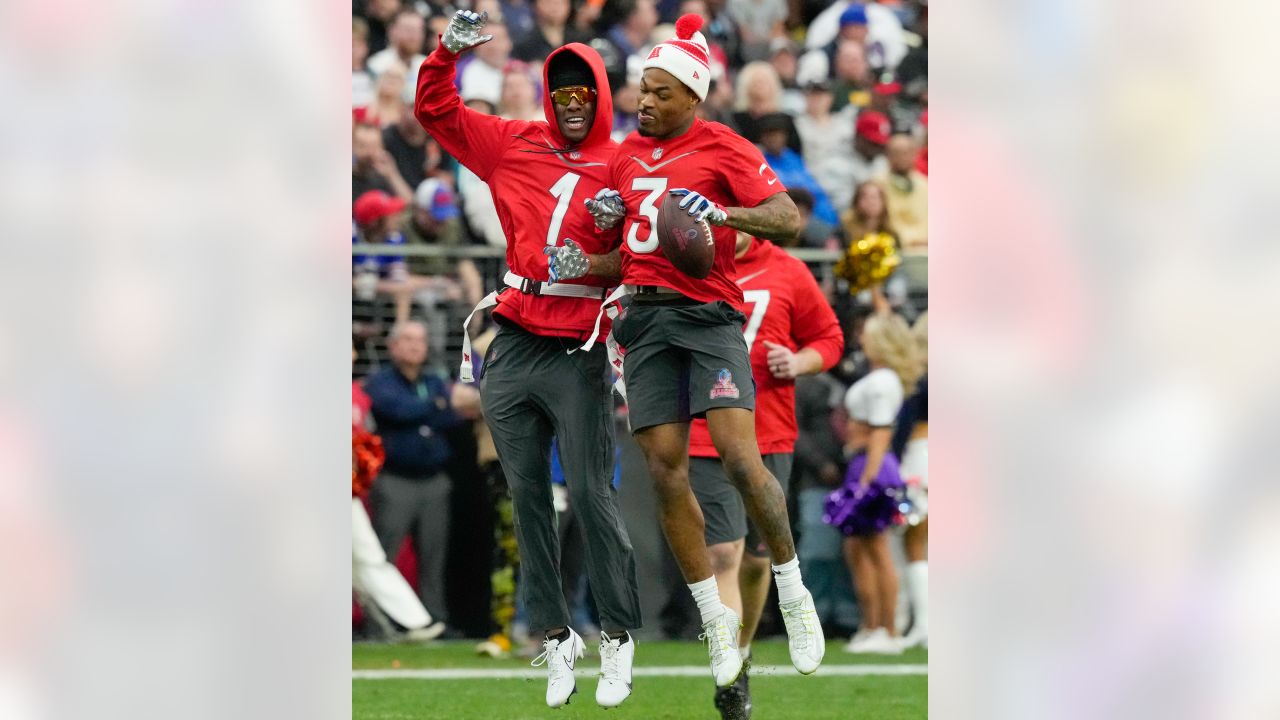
(464, 30)
(566, 262)
(606, 208)
(701, 207)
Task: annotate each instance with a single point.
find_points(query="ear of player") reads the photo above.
(464, 31)
(606, 208)
(566, 262)
(701, 208)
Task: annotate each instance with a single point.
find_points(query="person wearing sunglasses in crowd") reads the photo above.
(532, 388)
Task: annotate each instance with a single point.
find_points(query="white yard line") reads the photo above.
(673, 671)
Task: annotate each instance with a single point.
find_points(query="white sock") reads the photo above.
(918, 591)
(707, 594)
(745, 651)
(787, 577)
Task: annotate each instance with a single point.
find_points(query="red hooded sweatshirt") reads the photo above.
(539, 184)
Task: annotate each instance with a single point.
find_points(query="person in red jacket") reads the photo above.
(684, 352)
(532, 388)
(790, 331)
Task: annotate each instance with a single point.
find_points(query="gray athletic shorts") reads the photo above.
(683, 358)
(722, 507)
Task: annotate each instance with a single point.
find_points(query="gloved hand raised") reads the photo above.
(464, 30)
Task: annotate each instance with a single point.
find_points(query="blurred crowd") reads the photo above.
(834, 94)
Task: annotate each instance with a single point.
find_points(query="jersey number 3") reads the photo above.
(649, 209)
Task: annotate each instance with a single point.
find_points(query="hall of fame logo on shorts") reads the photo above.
(724, 387)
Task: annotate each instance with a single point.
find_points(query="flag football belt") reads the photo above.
(528, 287)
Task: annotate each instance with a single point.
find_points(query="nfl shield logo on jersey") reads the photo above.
(575, 155)
(724, 387)
(657, 153)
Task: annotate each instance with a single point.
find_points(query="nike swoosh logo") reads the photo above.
(662, 164)
(760, 172)
(772, 181)
(742, 280)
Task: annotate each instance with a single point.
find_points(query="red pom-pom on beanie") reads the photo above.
(687, 25)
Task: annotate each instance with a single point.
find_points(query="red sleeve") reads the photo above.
(475, 139)
(814, 324)
(746, 175)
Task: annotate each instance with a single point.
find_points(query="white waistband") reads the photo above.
(536, 287)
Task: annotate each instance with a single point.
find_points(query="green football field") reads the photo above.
(404, 682)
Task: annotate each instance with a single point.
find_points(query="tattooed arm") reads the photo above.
(774, 219)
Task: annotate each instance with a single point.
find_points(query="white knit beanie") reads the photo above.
(685, 56)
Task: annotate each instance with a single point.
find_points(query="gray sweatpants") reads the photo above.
(403, 506)
(531, 390)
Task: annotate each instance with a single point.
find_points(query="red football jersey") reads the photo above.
(539, 185)
(784, 305)
(708, 158)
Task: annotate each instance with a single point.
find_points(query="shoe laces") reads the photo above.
(798, 612)
(718, 637)
(549, 648)
(609, 666)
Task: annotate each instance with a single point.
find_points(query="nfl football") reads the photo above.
(687, 243)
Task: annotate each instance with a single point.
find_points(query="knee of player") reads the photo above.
(740, 471)
(725, 557)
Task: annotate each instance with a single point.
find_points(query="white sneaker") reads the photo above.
(615, 670)
(804, 634)
(918, 637)
(560, 657)
(875, 642)
(425, 634)
(721, 636)
(856, 640)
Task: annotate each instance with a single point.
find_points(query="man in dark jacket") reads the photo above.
(411, 496)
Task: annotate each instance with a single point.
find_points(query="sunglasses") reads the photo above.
(566, 95)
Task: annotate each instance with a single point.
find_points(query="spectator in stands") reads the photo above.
(871, 132)
(816, 233)
(407, 144)
(907, 194)
(379, 14)
(388, 100)
(405, 36)
(372, 167)
(433, 220)
(377, 217)
(411, 498)
(913, 71)
(759, 22)
(631, 35)
(479, 72)
(868, 214)
(718, 45)
(881, 33)
(361, 78)
(551, 30)
(828, 143)
(783, 56)
(520, 94)
(759, 94)
(789, 166)
(852, 85)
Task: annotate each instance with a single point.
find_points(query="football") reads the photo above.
(687, 243)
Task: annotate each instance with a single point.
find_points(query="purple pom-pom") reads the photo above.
(870, 510)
